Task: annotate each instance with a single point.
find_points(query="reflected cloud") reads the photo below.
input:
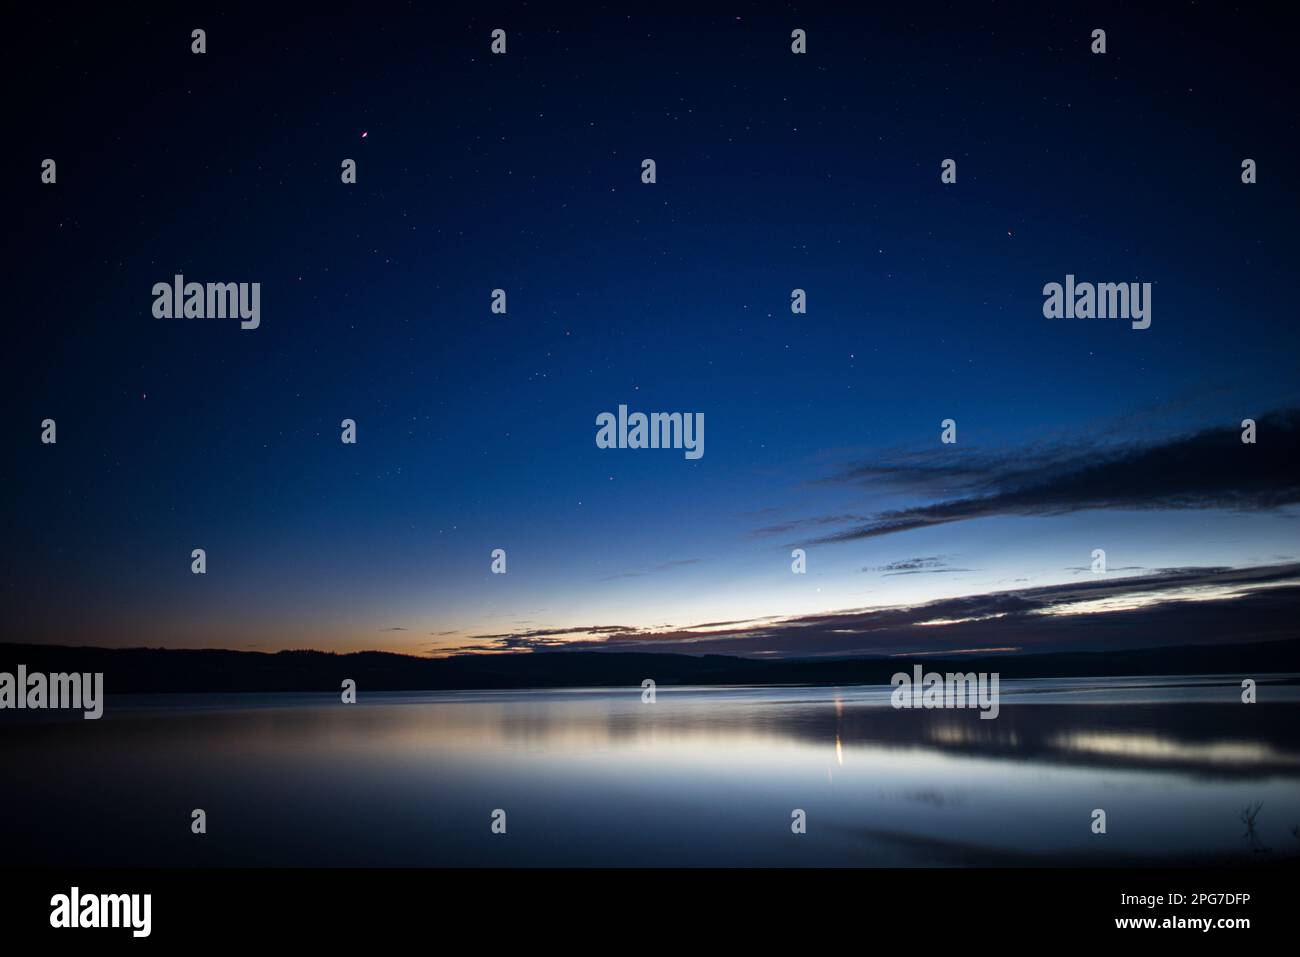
(1150, 747)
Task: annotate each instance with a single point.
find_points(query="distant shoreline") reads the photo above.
(160, 670)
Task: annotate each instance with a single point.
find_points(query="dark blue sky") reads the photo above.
(476, 431)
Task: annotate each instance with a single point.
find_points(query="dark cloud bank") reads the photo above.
(1163, 608)
(1210, 469)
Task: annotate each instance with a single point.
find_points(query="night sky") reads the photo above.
(476, 431)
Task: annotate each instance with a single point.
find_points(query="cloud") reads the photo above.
(931, 565)
(1174, 606)
(785, 528)
(538, 638)
(1211, 469)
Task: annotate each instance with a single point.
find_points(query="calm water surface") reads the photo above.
(704, 776)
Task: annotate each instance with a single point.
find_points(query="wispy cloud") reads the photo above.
(931, 565)
(1210, 469)
(798, 524)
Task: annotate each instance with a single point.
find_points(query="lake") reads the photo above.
(702, 776)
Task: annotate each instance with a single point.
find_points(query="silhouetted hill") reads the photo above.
(134, 670)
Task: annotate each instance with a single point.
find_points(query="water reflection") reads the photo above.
(703, 776)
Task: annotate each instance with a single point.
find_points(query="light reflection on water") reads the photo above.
(704, 776)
